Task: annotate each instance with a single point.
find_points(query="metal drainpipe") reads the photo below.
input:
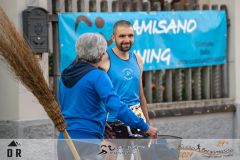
(56, 58)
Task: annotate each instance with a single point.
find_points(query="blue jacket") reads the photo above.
(82, 89)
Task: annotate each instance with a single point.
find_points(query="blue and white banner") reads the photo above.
(165, 40)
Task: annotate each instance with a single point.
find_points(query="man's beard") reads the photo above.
(124, 49)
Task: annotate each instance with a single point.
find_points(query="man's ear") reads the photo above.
(113, 38)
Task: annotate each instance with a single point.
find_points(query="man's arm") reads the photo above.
(143, 101)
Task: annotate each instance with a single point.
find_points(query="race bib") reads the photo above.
(138, 111)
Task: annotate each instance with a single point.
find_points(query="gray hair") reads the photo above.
(91, 47)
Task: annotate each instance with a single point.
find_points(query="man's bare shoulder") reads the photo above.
(139, 60)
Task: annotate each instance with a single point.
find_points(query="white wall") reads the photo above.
(236, 40)
(235, 23)
(9, 98)
(16, 103)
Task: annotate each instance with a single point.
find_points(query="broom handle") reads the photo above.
(71, 145)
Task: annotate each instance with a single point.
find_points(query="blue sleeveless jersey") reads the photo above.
(125, 76)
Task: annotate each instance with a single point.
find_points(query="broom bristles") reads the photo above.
(22, 62)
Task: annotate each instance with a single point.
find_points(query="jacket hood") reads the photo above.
(73, 73)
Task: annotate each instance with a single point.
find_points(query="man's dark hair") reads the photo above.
(121, 23)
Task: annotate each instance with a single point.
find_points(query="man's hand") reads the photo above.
(152, 132)
(149, 123)
(109, 133)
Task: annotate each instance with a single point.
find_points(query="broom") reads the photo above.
(22, 62)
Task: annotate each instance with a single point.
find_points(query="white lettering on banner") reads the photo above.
(150, 55)
(163, 26)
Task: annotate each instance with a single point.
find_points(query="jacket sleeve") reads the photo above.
(111, 100)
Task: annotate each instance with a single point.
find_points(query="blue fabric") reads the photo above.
(82, 109)
(85, 137)
(75, 72)
(125, 75)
